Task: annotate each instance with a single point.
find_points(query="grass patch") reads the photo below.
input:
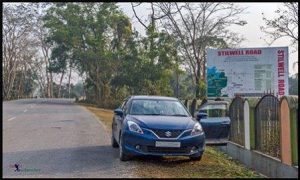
(214, 163)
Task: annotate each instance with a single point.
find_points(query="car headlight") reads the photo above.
(134, 127)
(197, 129)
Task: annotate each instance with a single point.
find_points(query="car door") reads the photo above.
(116, 119)
(119, 120)
(216, 123)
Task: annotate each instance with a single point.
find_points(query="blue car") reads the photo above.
(155, 125)
(213, 116)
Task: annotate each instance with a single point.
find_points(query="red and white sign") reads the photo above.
(247, 71)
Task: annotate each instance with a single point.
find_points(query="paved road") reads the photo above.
(56, 138)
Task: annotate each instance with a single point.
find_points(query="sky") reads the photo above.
(251, 31)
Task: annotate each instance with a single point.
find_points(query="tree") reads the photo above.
(147, 66)
(41, 33)
(24, 84)
(284, 24)
(184, 86)
(158, 57)
(196, 26)
(18, 46)
(78, 89)
(90, 36)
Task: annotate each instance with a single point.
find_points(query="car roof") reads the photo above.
(154, 97)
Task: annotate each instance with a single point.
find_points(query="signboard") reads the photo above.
(247, 71)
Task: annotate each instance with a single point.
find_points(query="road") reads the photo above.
(56, 138)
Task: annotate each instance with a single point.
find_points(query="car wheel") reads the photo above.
(195, 158)
(114, 143)
(122, 155)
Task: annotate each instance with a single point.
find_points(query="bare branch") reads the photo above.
(132, 6)
(285, 25)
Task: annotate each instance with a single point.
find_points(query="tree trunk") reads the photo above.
(204, 68)
(51, 85)
(48, 85)
(98, 95)
(20, 86)
(59, 87)
(41, 87)
(105, 94)
(98, 91)
(11, 80)
(198, 79)
(98, 85)
(177, 84)
(70, 81)
(84, 89)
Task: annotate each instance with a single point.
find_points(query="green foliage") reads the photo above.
(78, 89)
(202, 87)
(24, 84)
(147, 68)
(186, 89)
(93, 36)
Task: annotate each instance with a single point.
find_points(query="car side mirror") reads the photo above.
(201, 115)
(119, 112)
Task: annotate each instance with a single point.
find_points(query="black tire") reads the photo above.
(114, 143)
(195, 158)
(122, 155)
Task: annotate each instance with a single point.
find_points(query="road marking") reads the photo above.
(25, 110)
(12, 118)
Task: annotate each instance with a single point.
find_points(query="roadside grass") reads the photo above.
(214, 163)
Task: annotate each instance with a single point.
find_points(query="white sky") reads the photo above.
(251, 31)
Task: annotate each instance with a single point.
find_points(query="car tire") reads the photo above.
(195, 158)
(122, 155)
(114, 143)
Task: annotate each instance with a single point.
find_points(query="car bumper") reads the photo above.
(144, 144)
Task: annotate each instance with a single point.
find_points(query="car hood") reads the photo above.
(163, 122)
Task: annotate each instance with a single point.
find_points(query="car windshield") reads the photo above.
(214, 110)
(157, 107)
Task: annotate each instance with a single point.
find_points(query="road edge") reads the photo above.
(95, 117)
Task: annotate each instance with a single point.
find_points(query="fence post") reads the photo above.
(237, 127)
(252, 102)
(289, 134)
(285, 132)
(247, 124)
